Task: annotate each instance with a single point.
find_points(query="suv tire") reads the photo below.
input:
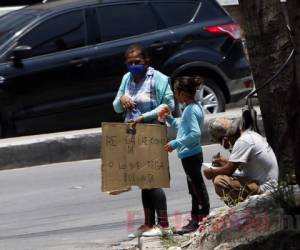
(211, 97)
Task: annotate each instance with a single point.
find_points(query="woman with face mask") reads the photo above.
(142, 93)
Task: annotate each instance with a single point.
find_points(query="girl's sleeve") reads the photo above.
(117, 103)
(193, 137)
(173, 122)
(168, 99)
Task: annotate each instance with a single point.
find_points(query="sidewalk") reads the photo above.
(72, 145)
(157, 242)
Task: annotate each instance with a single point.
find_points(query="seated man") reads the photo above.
(250, 153)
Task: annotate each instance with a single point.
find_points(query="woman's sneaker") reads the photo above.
(139, 231)
(158, 230)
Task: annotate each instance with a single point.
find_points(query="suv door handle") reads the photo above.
(79, 62)
(158, 45)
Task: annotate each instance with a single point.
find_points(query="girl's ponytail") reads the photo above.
(188, 84)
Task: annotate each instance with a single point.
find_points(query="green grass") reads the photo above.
(173, 240)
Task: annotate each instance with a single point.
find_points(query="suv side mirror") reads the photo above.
(21, 52)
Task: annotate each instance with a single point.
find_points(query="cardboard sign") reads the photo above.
(134, 159)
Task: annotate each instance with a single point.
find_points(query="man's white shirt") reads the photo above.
(258, 161)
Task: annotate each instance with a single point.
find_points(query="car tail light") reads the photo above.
(249, 84)
(231, 29)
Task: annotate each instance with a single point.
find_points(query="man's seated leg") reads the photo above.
(235, 189)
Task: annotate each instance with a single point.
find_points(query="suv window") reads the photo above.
(92, 26)
(176, 13)
(11, 23)
(63, 32)
(118, 21)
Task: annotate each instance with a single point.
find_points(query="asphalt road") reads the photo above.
(60, 206)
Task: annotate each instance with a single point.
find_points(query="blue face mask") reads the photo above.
(137, 69)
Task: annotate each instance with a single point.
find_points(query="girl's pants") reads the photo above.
(197, 189)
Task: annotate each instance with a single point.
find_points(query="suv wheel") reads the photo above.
(210, 96)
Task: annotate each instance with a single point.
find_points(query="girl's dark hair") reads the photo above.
(188, 84)
(137, 47)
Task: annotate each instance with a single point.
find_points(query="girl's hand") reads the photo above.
(163, 113)
(168, 147)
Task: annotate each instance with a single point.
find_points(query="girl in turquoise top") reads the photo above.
(187, 144)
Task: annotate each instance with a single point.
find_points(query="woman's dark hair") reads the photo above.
(188, 84)
(137, 47)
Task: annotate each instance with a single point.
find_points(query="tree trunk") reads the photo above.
(268, 47)
(294, 122)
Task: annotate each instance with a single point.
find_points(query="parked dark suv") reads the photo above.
(61, 62)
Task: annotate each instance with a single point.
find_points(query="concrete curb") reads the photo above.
(72, 145)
